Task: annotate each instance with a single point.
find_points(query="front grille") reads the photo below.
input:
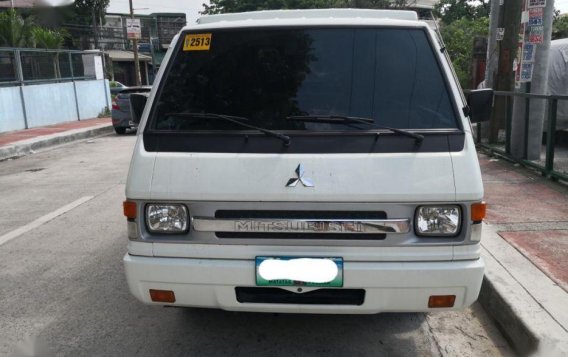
(249, 214)
(315, 297)
(335, 236)
(313, 215)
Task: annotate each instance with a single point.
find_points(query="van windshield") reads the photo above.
(389, 75)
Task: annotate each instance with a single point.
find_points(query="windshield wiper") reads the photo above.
(236, 120)
(340, 119)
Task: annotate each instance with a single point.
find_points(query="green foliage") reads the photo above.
(452, 10)
(85, 8)
(458, 37)
(462, 21)
(230, 6)
(560, 27)
(15, 31)
(105, 113)
(45, 38)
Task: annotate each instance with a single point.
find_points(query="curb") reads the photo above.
(514, 329)
(527, 306)
(26, 147)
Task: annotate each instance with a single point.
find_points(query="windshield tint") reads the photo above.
(265, 75)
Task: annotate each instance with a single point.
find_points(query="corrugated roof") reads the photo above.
(128, 56)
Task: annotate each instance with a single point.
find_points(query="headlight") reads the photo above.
(438, 220)
(167, 218)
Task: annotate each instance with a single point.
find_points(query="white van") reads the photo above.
(313, 161)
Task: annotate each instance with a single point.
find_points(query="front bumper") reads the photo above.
(389, 286)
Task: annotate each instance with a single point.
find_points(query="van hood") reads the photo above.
(392, 177)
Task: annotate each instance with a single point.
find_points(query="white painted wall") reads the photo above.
(53, 103)
(11, 111)
(48, 104)
(91, 98)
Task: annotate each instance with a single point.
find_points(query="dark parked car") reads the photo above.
(121, 116)
(116, 87)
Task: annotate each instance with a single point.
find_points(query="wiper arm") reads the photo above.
(340, 119)
(236, 120)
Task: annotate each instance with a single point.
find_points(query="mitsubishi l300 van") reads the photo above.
(314, 161)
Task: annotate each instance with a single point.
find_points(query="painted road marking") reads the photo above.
(43, 219)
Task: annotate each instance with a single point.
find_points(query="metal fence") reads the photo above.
(553, 160)
(113, 36)
(28, 66)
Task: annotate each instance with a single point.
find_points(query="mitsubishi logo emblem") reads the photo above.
(300, 173)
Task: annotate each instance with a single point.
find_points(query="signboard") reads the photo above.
(524, 17)
(529, 50)
(500, 33)
(133, 29)
(526, 72)
(536, 34)
(536, 3)
(99, 74)
(536, 16)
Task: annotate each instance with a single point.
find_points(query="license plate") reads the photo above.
(299, 271)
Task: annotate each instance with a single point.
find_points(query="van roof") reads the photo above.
(309, 17)
(311, 14)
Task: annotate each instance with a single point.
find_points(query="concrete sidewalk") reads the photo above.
(525, 243)
(24, 142)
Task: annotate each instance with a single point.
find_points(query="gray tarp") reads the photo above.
(558, 78)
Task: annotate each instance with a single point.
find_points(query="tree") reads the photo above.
(458, 37)
(45, 38)
(15, 31)
(451, 10)
(84, 9)
(50, 39)
(560, 27)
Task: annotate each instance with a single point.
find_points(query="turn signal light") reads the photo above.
(129, 209)
(441, 301)
(162, 295)
(478, 211)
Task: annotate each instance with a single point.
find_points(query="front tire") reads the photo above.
(120, 130)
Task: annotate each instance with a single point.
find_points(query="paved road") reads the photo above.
(63, 292)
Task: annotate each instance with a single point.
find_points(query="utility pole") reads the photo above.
(509, 19)
(528, 117)
(492, 44)
(135, 45)
(95, 29)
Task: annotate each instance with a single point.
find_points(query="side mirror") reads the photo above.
(137, 104)
(480, 102)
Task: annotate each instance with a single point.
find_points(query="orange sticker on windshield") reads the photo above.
(197, 42)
